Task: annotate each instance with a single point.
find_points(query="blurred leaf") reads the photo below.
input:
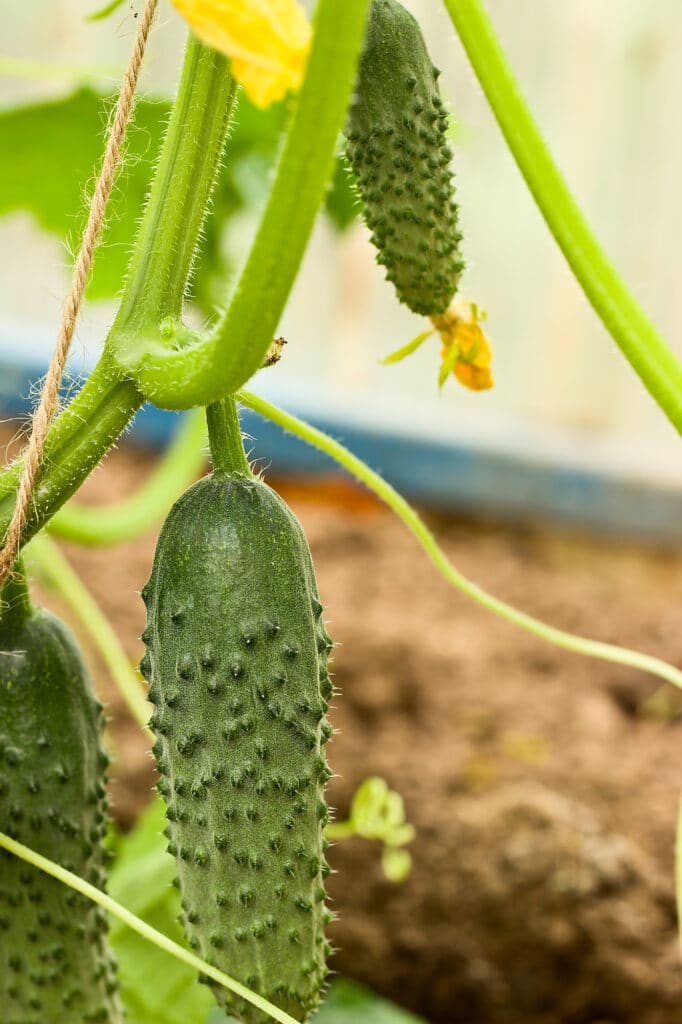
(349, 1003)
(104, 12)
(406, 350)
(342, 203)
(50, 154)
(396, 864)
(156, 989)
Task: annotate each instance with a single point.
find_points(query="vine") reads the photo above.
(416, 525)
(652, 360)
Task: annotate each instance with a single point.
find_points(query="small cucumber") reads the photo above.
(55, 963)
(397, 147)
(236, 653)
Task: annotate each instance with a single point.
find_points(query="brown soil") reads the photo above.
(544, 793)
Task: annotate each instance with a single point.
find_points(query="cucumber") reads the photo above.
(236, 655)
(55, 963)
(397, 147)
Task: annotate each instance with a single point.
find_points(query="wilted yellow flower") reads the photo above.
(466, 350)
(267, 41)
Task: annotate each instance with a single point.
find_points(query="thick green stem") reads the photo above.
(123, 520)
(207, 370)
(357, 468)
(188, 166)
(77, 441)
(225, 438)
(15, 598)
(641, 344)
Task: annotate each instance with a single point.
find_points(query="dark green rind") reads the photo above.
(397, 147)
(236, 657)
(55, 962)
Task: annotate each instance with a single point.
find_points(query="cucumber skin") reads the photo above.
(55, 962)
(236, 657)
(397, 147)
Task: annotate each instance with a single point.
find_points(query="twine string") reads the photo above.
(47, 406)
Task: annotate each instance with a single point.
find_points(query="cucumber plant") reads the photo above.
(236, 648)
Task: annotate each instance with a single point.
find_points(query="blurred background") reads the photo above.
(544, 787)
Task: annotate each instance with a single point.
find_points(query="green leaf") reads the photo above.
(50, 153)
(349, 1003)
(49, 156)
(156, 989)
(406, 350)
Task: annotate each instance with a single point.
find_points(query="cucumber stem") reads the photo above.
(15, 599)
(225, 438)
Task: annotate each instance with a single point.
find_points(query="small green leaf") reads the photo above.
(105, 11)
(406, 350)
(448, 365)
(396, 864)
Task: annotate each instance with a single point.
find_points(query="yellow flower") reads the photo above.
(267, 41)
(465, 350)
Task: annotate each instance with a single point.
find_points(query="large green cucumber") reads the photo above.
(398, 150)
(236, 657)
(55, 963)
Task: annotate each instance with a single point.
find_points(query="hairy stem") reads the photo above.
(141, 927)
(207, 370)
(77, 441)
(639, 341)
(357, 468)
(225, 438)
(189, 162)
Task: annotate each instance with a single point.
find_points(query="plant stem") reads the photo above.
(211, 368)
(357, 468)
(336, 830)
(141, 927)
(641, 344)
(161, 261)
(225, 438)
(124, 520)
(185, 177)
(57, 570)
(77, 441)
(15, 599)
